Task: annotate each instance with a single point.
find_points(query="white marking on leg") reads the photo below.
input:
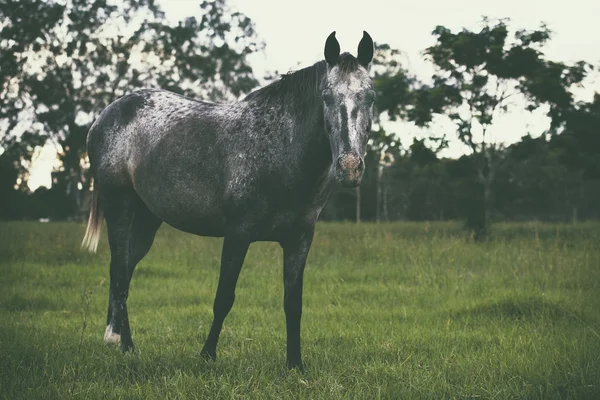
(110, 336)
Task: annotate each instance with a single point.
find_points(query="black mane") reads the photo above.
(303, 83)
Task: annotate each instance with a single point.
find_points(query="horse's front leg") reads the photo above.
(232, 258)
(295, 251)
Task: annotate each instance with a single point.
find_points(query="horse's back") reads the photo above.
(131, 128)
(160, 145)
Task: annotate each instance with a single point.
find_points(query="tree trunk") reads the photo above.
(487, 204)
(358, 204)
(379, 190)
(579, 200)
(476, 211)
(479, 209)
(385, 203)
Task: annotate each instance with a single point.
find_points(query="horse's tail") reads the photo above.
(94, 227)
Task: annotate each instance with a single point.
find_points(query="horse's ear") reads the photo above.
(365, 49)
(332, 50)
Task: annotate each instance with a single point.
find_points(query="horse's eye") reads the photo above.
(328, 97)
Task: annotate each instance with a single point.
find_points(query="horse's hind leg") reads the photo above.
(131, 230)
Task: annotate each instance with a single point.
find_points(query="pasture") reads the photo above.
(398, 310)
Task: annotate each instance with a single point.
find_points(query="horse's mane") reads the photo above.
(305, 82)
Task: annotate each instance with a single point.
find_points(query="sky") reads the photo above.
(295, 31)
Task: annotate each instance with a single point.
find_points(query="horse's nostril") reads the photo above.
(350, 162)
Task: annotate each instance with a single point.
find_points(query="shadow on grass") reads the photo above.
(155, 271)
(20, 303)
(515, 309)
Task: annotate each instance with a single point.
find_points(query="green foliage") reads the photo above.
(64, 62)
(477, 72)
(399, 310)
(393, 83)
(393, 86)
(483, 69)
(579, 141)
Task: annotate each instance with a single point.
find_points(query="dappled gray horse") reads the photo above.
(260, 169)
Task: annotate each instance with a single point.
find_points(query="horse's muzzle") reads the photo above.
(349, 168)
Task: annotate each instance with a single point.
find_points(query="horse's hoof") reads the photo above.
(295, 365)
(126, 347)
(209, 354)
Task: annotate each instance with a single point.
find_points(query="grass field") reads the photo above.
(396, 311)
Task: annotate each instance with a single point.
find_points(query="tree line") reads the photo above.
(61, 63)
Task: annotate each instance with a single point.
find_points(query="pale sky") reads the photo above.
(295, 33)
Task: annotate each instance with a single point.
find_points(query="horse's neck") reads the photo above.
(310, 145)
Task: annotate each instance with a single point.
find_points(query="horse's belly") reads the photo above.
(184, 207)
(202, 226)
(194, 220)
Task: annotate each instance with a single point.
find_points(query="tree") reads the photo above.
(578, 148)
(62, 62)
(579, 139)
(15, 159)
(394, 86)
(476, 74)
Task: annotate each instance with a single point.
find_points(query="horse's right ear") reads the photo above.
(332, 50)
(365, 50)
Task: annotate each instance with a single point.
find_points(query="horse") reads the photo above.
(259, 169)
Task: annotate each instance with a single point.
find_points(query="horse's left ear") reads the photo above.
(365, 49)
(332, 50)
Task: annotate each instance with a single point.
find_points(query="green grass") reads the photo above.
(397, 310)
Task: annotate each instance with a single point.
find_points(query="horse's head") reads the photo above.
(348, 98)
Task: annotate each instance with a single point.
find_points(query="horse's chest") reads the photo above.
(270, 208)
